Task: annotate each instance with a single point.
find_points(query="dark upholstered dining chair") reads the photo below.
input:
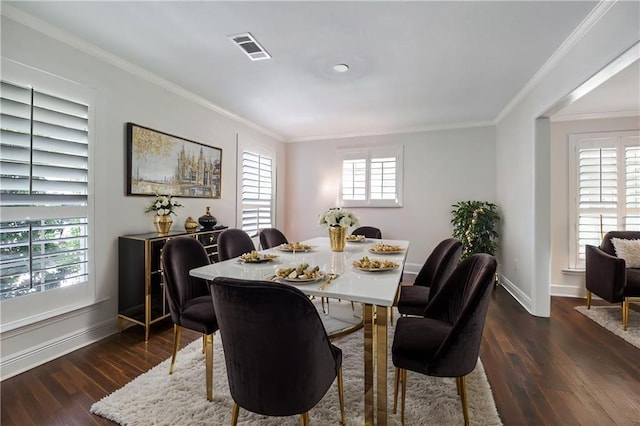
(289, 364)
(271, 237)
(233, 243)
(608, 276)
(439, 265)
(368, 232)
(189, 298)
(446, 341)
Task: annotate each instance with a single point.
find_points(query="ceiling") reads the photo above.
(413, 65)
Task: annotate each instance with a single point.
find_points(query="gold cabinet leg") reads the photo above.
(209, 365)
(234, 414)
(367, 318)
(176, 343)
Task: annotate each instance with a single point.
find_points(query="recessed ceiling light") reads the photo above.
(341, 68)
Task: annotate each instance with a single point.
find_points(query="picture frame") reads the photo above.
(165, 164)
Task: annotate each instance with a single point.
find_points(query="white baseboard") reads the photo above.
(563, 290)
(50, 350)
(517, 294)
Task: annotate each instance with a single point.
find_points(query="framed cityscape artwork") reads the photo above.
(160, 163)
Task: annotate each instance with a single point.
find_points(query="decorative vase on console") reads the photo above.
(164, 206)
(207, 221)
(338, 221)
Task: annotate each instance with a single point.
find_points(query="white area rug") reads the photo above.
(156, 398)
(610, 317)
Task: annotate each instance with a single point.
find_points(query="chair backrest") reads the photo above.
(233, 243)
(368, 232)
(179, 256)
(279, 359)
(439, 265)
(607, 245)
(271, 237)
(462, 301)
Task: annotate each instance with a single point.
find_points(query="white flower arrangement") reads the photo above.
(163, 205)
(338, 217)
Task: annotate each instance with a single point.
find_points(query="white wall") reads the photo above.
(120, 97)
(522, 189)
(570, 283)
(440, 169)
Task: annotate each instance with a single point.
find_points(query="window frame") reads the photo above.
(578, 141)
(369, 154)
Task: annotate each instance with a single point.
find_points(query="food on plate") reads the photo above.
(385, 248)
(366, 263)
(355, 238)
(294, 246)
(300, 272)
(254, 256)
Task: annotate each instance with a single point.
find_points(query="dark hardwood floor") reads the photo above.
(560, 371)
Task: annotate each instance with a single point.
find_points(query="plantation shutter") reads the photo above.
(632, 185)
(354, 179)
(383, 178)
(597, 195)
(44, 165)
(257, 192)
(372, 177)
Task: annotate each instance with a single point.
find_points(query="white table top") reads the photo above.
(376, 288)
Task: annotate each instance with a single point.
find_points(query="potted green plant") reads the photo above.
(474, 223)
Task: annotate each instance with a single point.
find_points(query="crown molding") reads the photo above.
(595, 116)
(49, 30)
(428, 128)
(574, 38)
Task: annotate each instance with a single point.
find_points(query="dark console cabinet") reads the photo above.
(141, 296)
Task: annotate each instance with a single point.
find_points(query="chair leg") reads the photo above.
(588, 299)
(234, 414)
(209, 365)
(176, 343)
(204, 343)
(304, 419)
(625, 313)
(395, 390)
(341, 396)
(463, 399)
(404, 392)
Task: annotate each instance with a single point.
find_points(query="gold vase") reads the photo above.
(163, 224)
(337, 237)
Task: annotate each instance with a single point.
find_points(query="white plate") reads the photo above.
(376, 269)
(320, 277)
(259, 260)
(386, 252)
(290, 250)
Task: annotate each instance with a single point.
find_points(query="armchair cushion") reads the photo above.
(629, 250)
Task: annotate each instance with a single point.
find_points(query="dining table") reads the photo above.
(375, 288)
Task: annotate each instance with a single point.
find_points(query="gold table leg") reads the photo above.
(367, 318)
(381, 368)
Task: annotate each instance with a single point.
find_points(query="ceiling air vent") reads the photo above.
(250, 46)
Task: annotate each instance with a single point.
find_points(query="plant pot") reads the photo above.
(162, 224)
(337, 237)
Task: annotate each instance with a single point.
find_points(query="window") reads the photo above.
(257, 192)
(606, 187)
(372, 177)
(44, 170)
